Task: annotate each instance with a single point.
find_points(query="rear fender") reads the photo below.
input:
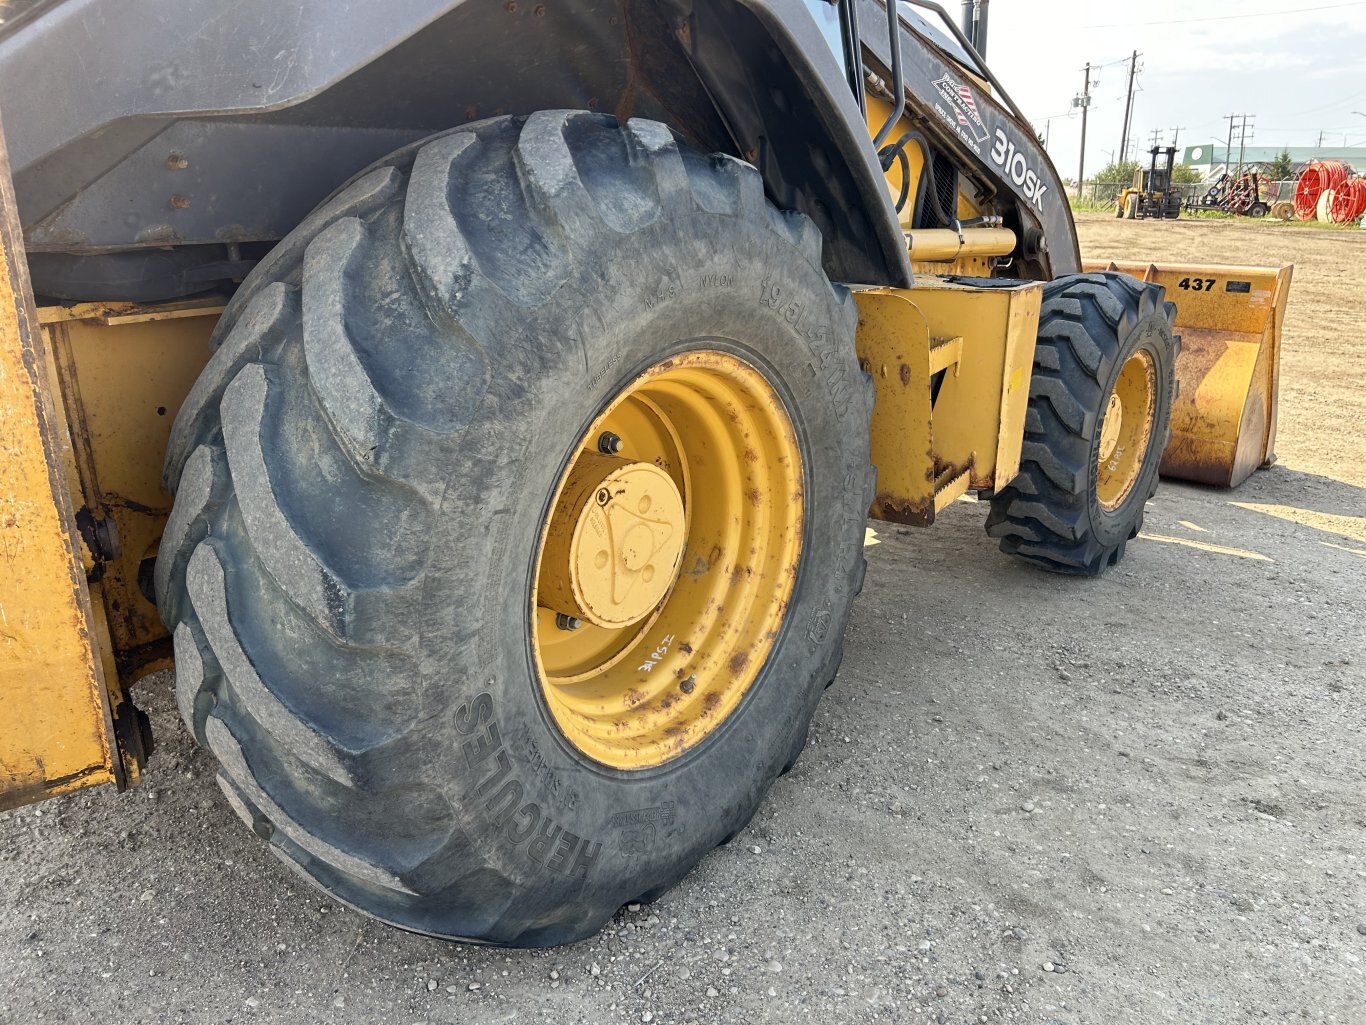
(221, 124)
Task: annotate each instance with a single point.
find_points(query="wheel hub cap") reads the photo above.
(615, 551)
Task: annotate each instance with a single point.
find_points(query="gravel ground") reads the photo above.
(1027, 799)
(1150, 784)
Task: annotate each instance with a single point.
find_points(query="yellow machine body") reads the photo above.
(56, 697)
(1229, 320)
(1126, 203)
(87, 397)
(950, 361)
(951, 366)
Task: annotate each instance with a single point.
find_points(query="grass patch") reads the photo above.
(1090, 206)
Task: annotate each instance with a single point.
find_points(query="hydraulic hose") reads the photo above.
(897, 151)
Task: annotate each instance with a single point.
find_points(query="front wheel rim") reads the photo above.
(653, 612)
(1126, 430)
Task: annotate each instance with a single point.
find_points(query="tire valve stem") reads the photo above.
(688, 685)
(567, 622)
(609, 444)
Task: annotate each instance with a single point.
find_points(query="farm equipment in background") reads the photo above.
(1152, 193)
(1243, 193)
(520, 424)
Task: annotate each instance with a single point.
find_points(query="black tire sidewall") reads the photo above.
(705, 281)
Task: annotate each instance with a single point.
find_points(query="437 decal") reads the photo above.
(1197, 284)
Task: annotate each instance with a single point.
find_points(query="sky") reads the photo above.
(1296, 68)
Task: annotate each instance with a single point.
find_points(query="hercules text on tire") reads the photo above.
(518, 516)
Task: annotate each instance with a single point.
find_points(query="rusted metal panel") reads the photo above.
(1228, 373)
(123, 370)
(892, 336)
(950, 363)
(56, 721)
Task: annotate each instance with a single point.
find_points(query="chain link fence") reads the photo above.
(1106, 194)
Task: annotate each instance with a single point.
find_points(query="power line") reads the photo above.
(1109, 64)
(1236, 17)
(1302, 128)
(1340, 100)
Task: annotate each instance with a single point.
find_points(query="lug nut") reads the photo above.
(609, 444)
(567, 622)
(688, 685)
(604, 496)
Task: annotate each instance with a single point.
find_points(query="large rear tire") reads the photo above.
(1097, 424)
(368, 476)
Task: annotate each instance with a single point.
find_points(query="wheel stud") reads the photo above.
(688, 685)
(567, 622)
(609, 444)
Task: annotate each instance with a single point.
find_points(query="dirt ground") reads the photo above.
(1027, 799)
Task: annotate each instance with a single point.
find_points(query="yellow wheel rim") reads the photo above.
(1126, 429)
(668, 560)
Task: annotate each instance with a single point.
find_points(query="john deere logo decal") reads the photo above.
(963, 107)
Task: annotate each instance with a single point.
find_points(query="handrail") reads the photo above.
(971, 50)
(898, 79)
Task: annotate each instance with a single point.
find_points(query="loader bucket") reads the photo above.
(1228, 373)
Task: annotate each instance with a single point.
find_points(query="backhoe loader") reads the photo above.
(519, 371)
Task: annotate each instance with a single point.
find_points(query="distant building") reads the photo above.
(1210, 156)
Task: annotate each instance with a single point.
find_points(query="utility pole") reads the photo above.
(1176, 133)
(1128, 108)
(1320, 145)
(1242, 141)
(1228, 146)
(1084, 102)
(1156, 134)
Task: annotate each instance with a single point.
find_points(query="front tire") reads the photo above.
(365, 474)
(1097, 424)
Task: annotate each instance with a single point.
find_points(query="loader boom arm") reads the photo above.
(994, 148)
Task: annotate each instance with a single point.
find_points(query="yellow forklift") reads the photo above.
(1152, 193)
